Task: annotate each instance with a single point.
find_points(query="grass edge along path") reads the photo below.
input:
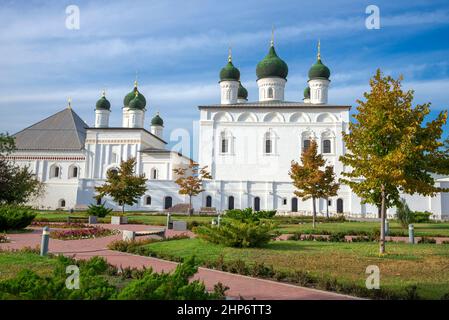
(338, 267)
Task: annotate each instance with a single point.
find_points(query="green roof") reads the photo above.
(272, 66)
(157, 120)
(242, 92)
(142, 102)
(319, 71)
(103, 104)
(307, 93)
(229, 72)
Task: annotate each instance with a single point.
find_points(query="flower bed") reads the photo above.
(87, 233)
(61, 225)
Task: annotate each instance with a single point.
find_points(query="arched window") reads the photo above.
(61, 203)
(154, 174)
(268, 143)
(326, 146)
(99, 201)
(306, 144)
(208, 201)
(270, 93)
(231, 203)
(224, 143)
(148, 200)
(113, 170)
(168, 202)
(256, 204)
(55, 171)
(73, 171)
(339, 205)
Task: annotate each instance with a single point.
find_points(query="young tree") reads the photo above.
(389, 149)
(310, 181)
(190, 180)
(123, 185)
(17, 184)
(330, 186)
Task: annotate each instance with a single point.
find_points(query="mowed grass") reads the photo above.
(421, 229)
(423, 265)
(12, 262)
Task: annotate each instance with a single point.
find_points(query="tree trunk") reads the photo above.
(123, 209)
(190, 205)
(314, 212)
(327, 209)
(382, 221)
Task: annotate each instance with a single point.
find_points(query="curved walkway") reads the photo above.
(246, 287)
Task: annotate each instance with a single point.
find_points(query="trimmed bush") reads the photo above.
(98, 210)
(421, 217)
(241, 229)
(13, 217)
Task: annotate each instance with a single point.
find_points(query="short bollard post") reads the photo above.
(44, 242)
(218, 220)
(411, 234)
(168, 220)
(387, 227)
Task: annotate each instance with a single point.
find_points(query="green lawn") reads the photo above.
(133, 217)
(424, 265)
(13, 262)
(421, 229)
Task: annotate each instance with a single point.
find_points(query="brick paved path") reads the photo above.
(247, 287)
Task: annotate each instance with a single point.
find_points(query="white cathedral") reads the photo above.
(247, 146)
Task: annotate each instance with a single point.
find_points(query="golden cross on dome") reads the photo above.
(70, 103)
(103, 94)
(272, 36)
(135, 81)
(229, 54)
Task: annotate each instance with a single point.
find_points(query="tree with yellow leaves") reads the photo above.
(310, 181)
(389, 149)
(190, 180)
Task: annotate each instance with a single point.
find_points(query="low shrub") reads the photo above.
(138, 246)
(94, 285)
(421, 217)
(241, 229)
(98, 210)
(60, 225)
(13, 217)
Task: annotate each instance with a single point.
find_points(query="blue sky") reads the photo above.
(178, 48)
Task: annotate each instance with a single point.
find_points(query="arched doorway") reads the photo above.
(339, 205)
(294, 204)
(231, 203)
(256, 204)
(208, 201)
(167, 202)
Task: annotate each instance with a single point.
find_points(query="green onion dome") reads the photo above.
(242, 93)
(103, 103)
(229, 72)
(157, 120)
(272, 66)
(307, 93)
(319, 71)
(142, 102)
(137, 102)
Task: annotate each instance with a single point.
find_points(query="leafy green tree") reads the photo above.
(17, 184)
(190, 180)
(389, 149)
(123, 185)
(404, 214)
(310, 180)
